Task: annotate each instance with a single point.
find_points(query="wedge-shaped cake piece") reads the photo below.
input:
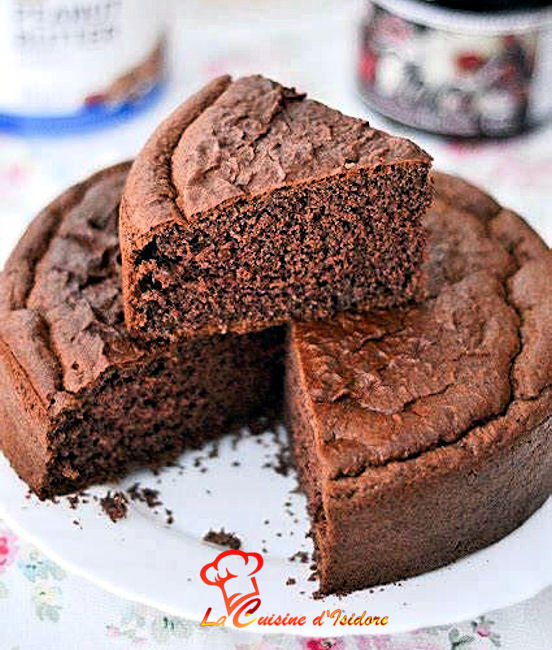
(252, 204)
(80, 401)
(424, 433)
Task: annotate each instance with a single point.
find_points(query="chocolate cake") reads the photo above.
(252, 204)
(423, 433)
(80, 400)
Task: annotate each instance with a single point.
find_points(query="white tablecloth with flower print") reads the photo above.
(309, 44)
(44, 608)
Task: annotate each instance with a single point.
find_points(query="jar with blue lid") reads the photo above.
(77, 64)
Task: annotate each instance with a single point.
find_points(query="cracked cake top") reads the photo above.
(61, 311)
(243, 138)
(390, 385)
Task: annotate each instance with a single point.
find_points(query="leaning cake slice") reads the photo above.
(80, 400)
(251, 205)
(423, 433)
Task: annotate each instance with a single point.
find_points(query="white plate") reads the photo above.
(144, 559)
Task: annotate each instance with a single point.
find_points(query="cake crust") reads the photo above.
(422, 434)
(205, 246)
(80, 399)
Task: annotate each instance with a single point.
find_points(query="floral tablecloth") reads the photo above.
(43, 608)
(310, 44)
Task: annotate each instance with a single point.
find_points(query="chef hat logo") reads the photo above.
(233, 573)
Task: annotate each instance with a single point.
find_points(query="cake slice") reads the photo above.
(80, 400)
(424, 433)
(251, 205)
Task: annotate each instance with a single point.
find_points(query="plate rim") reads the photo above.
(467, 608)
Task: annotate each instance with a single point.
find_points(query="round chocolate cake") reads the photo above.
(421, 432)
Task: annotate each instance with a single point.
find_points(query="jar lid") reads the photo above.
(475, 17)
(484, 6)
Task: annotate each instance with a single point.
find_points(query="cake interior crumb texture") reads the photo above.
(264, 206)
(422, 434)
(81, 401)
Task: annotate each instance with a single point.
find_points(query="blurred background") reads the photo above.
(83, 83)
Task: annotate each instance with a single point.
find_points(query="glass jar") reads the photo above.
(481, 71)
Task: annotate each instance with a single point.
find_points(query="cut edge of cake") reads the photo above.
(190, 235)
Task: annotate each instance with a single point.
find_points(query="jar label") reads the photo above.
(63, 57)
(464, 83)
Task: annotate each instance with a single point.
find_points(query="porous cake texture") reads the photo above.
(251, 205)
(80, 400)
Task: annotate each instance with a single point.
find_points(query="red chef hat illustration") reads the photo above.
(233, 573)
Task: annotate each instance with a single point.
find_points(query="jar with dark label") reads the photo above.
(70, 64)
(473, 69)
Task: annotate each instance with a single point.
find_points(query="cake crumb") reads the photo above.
(115, 505)
(146, 495)
(77, 498)
(222, 538)
(284, 462)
